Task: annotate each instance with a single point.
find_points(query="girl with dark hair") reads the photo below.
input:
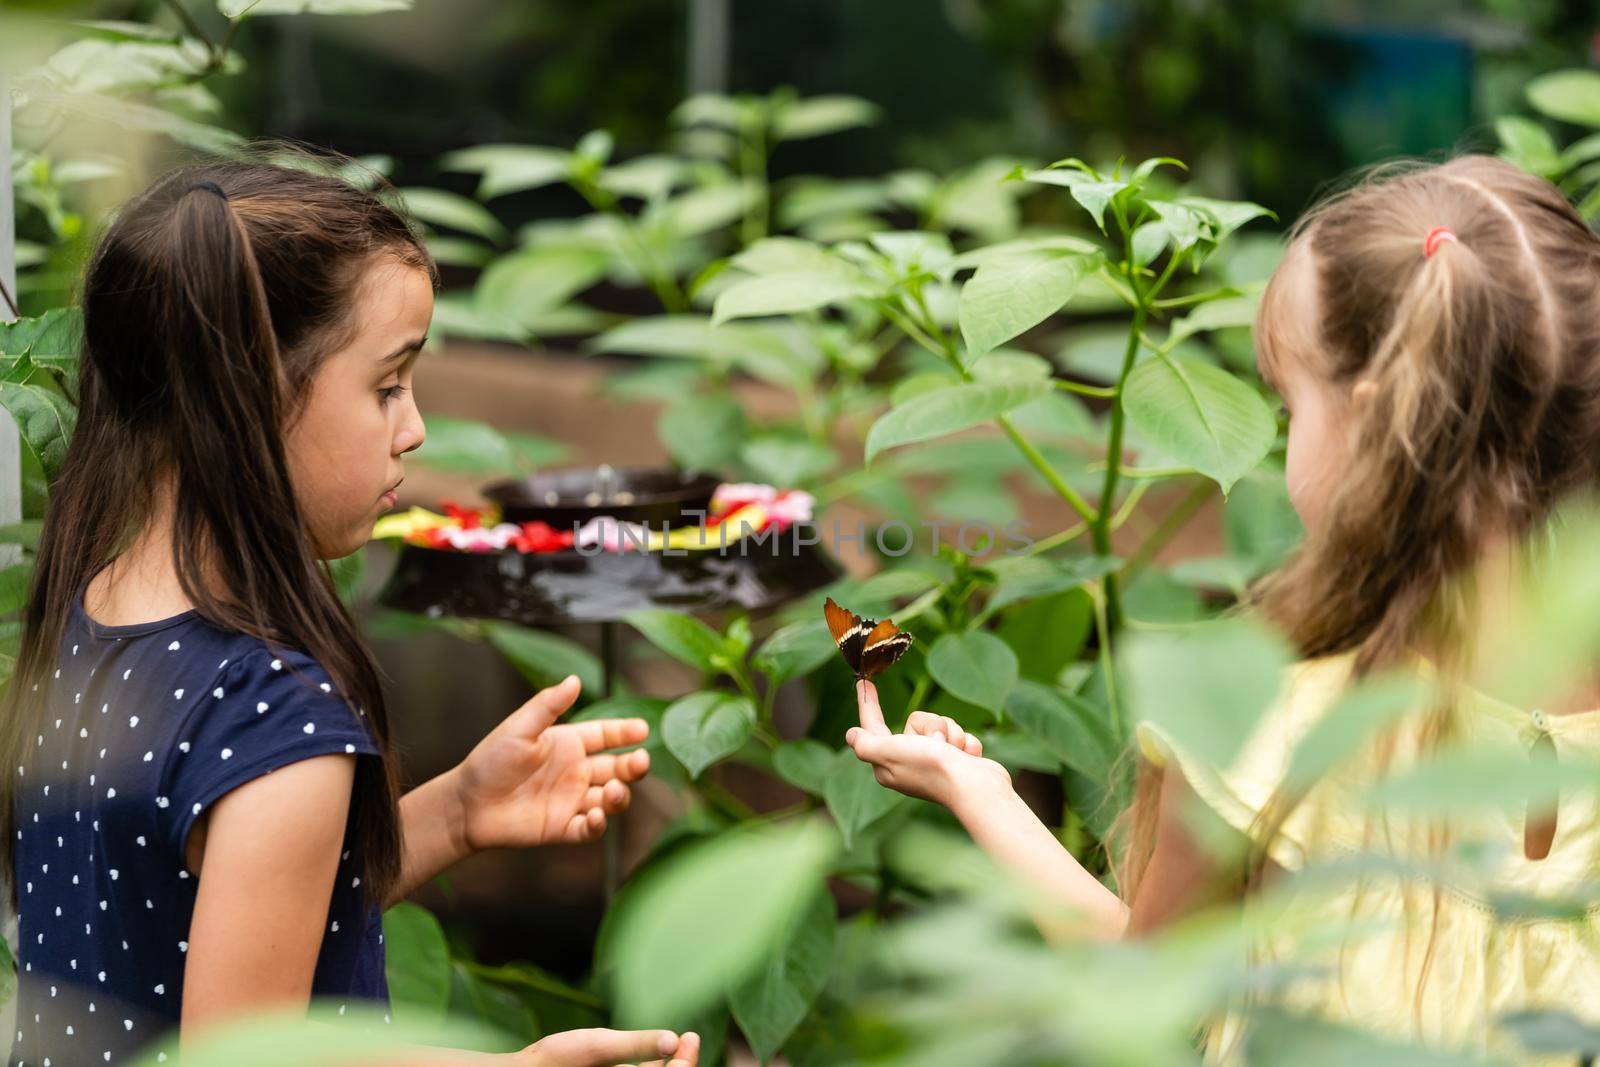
(202, 815)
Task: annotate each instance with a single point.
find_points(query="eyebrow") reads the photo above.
(403, 351)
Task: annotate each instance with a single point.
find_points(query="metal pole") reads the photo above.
(10, 462)
(10, 437)
(707, 66)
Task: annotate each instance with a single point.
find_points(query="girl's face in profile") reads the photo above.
(1319, 409)
(359, 418)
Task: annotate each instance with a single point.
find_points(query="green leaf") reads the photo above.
(712, 916)
(545, 658)
(239, 8)
(128, 115)
(458, 251)
(1200, 416)
(790, 291)
(796, 649)
(781, 459)
(703, 728)
(1015, 293)
(1071, 729)
(945, 411)
(469, 447)
(683, 637)
(1213, 315)
(757, 348)
(854, 796)
(975, 666)
(1568, 95)
(1206, 685)
(510, 168)
(14, 587)
(804, 764)
(493, 1004)
(45, 419)
(778, 997)
(531, 281)
(702, 432)
(819, 115)
(1529, 145)
(1226, 215)
(417, 962)
(703, 210)
(347, 573)
(437, 207)
(1093, 194)
(1025, 577)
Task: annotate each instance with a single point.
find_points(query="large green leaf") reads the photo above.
(703, 728)
(437, 207)
(530, 281)
(758, 348)
(510, 168)
(1529, 145)
(417, 962)
(1201, 416)
(712, 916)
(1207, 685)
(1071, 729)
(702, 432)
(1014, 293)
(787, 292)
(45, 419)
(946, 411)
(545, 658)
(1025, 577)
(683, 637)
(470, 447)
(796, 649)
(1213, 315)
(804, 764)
(975, 666)
(818, 115)
(1093, 193)
(1568, 95)
(854, 796)
(777, 997)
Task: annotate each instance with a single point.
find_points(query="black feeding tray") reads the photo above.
(571, 586)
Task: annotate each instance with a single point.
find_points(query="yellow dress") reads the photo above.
(1479, 963)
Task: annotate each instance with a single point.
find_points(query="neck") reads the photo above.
(141, 584)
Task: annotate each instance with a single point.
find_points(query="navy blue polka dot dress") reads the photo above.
(143, 728)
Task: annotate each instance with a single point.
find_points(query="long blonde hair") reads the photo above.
(1484, 358)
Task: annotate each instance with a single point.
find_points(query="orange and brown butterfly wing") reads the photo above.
(849, 632)
(839, 620)
(885, 643)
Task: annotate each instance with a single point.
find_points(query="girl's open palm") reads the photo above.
(533, 783)
(931, 760)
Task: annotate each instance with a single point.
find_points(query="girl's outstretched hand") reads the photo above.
(934, 759)
(611, 1048)
(533, 783)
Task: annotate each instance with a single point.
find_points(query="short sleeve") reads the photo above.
(1240, 791)
(265, 711)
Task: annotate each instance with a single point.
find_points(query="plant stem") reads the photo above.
(11, 302)
(663, 284)
(1170, 524)
(919, 693)
(1056, 540)
(945, 349)
(723, 801)
(753, 169)
(192, 28)
(1102, 626)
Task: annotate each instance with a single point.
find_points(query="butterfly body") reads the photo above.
(869, 647)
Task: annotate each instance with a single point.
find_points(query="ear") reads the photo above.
(1362, 392)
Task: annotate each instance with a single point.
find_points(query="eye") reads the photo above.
(388, 394)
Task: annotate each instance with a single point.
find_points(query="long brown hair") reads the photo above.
(209, 303)
(1484, 414)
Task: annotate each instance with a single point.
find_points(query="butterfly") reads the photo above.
(870, 647)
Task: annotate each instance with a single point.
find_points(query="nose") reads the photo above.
(411, 434)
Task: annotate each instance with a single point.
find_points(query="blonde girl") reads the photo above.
(1435, 335)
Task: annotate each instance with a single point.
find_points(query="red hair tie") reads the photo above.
(1430, 243)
